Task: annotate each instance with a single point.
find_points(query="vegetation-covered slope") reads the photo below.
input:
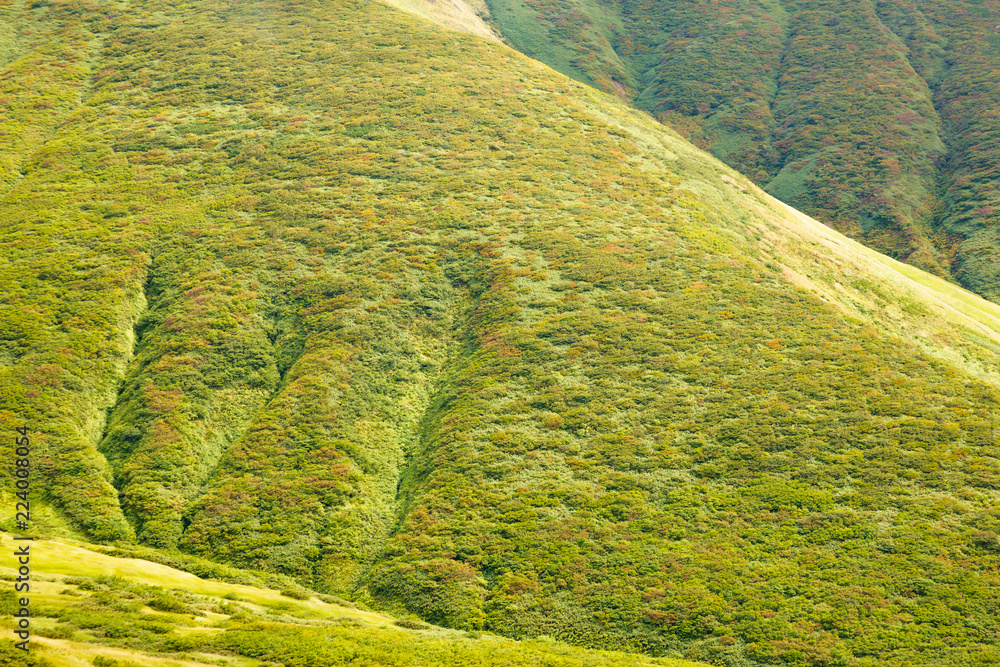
(93, 608)
(876, 117)
(407, 316)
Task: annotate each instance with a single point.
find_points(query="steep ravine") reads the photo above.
(169, 427)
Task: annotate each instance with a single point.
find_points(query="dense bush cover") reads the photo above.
(633, 469)
(875, 117)
(402, 315)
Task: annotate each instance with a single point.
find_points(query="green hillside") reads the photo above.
(96, 608)
(875, 117)
(323, 290)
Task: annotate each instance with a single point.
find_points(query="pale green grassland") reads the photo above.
(63, 575)
(452, 14)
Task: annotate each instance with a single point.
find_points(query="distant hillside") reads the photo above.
(325, 290)
(877, 118)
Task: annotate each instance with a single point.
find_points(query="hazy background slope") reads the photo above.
(323, 289)
(877, 118)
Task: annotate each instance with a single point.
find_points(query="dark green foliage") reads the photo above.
(8, 602)
(295, 594)
(18, 658)
(329, 646)
(102, 661)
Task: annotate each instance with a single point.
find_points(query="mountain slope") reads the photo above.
(410, 317)
(874, 117)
